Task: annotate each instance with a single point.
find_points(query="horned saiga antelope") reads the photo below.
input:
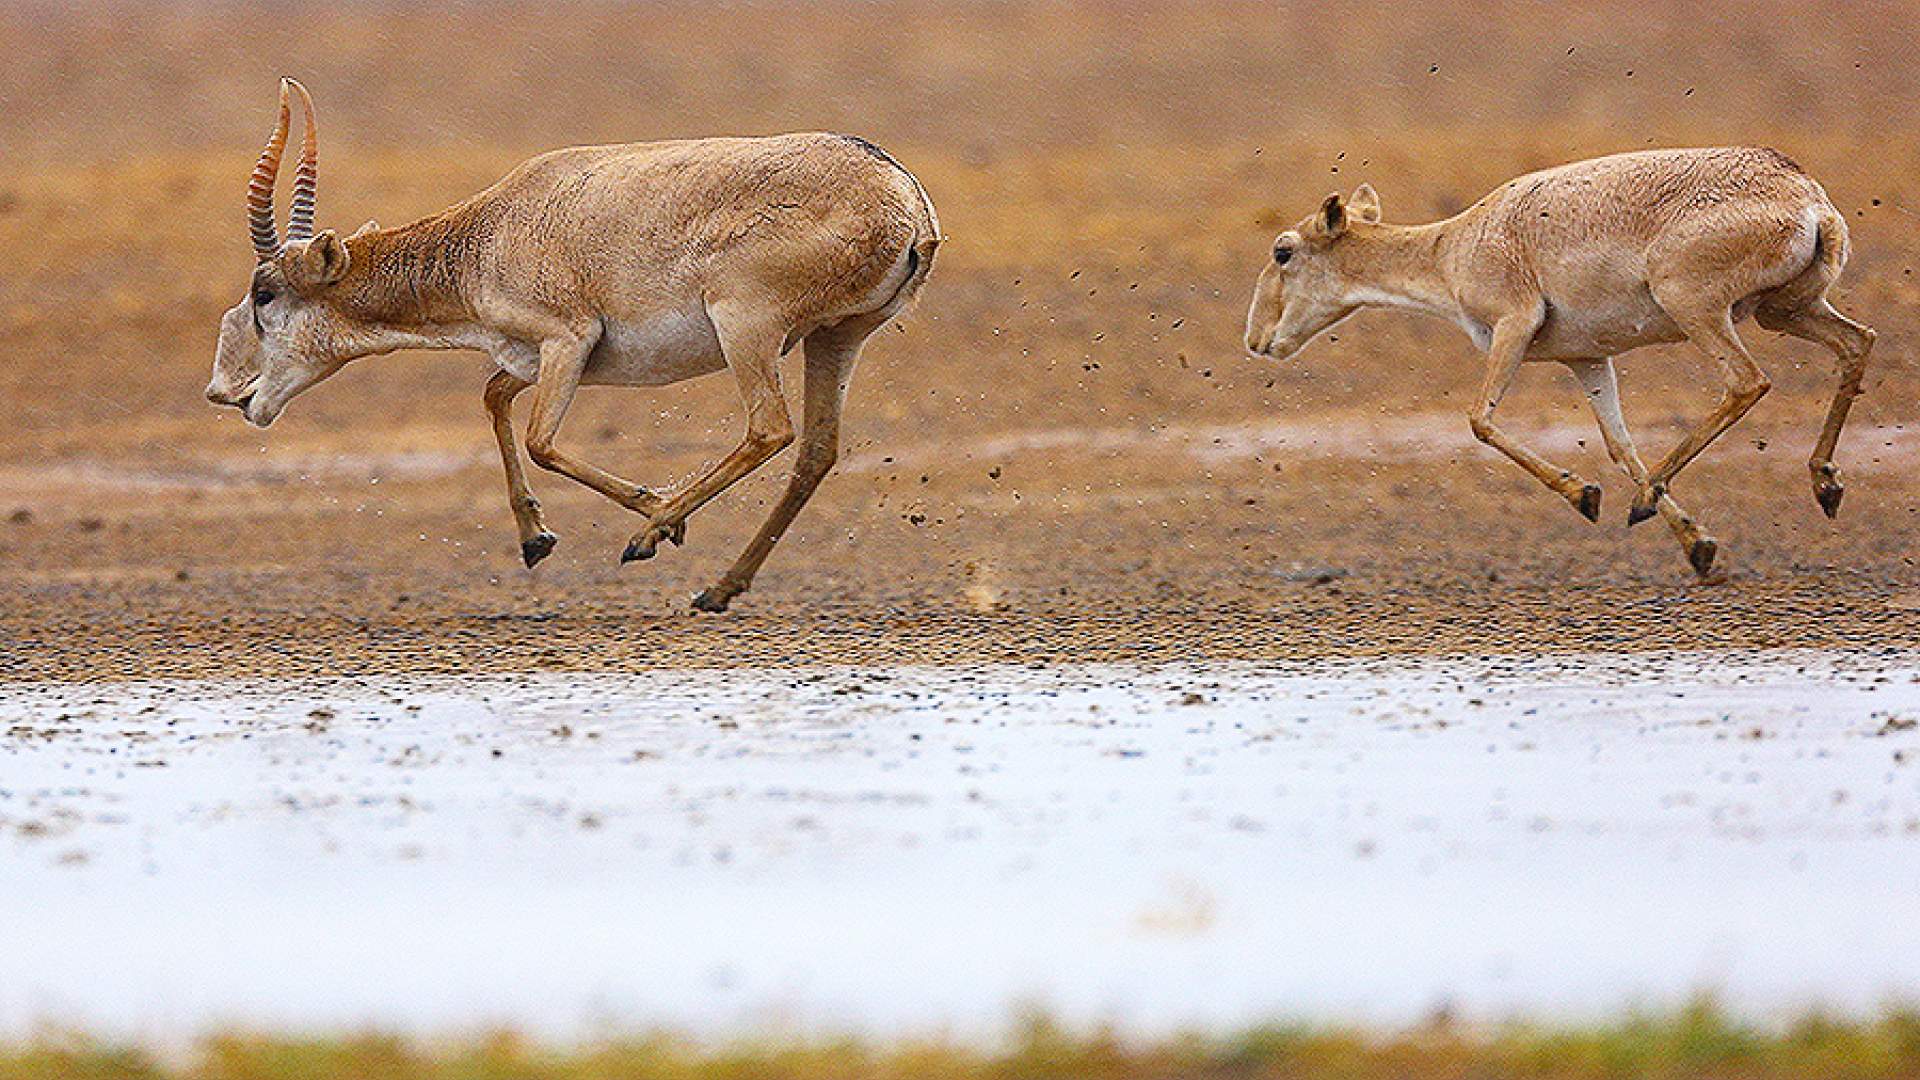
(634, 265)
(1579, 263)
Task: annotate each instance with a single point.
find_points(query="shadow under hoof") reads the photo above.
(535, 548)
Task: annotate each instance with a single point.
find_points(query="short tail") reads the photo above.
(1831, 247)
(929, 240)
(919, 265)
(926, 242)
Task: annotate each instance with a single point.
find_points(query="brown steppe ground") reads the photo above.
(1063, 454)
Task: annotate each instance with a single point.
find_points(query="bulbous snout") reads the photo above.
(220, 396)
(1264, 337)
(246, 399)
(1265, 313)
(242, 398)
(1271, 344)
(236, 360)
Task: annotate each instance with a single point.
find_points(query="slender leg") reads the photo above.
(562, 360)
(536, 542)
(1709, 326)
(1851, 342)
(751, 342)
(830, 357)
(1746, 384)
(1510, 338)
(1602, 386)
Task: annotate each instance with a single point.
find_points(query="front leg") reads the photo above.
(536, 542)
(563, 359)
(1511, 336)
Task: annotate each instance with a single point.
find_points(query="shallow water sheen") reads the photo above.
(905, 849)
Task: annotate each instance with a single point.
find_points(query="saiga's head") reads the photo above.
(1303, 290)
(283, 336)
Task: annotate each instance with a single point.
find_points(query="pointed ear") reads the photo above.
(1332, 218)
(370, 226)
(1364, 205)
(318, 263)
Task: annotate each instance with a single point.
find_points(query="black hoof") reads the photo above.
(1700, 553)
(714, 601)
(1637, 514)
(1589, 504)
(647, 544)
(1829, 494)
(537, 547)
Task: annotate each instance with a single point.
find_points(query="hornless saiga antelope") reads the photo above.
(1578, 263)
(635, 265)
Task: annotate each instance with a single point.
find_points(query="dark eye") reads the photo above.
(262, 297)
(1281, 253)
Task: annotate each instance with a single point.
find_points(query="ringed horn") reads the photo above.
(260, 226)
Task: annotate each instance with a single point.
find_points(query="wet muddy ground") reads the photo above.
(1285, 539)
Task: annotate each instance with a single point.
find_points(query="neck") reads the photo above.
(1399, 266)
(405, 287)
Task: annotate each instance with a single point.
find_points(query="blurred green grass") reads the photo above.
(1697, 1043)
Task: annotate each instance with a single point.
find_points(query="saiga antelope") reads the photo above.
(634, 265)
(1579, 263)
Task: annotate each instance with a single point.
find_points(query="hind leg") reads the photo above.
(830, 357)
(1707, 320)
(1851, 342)
(751, 337)
(1713, 335)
